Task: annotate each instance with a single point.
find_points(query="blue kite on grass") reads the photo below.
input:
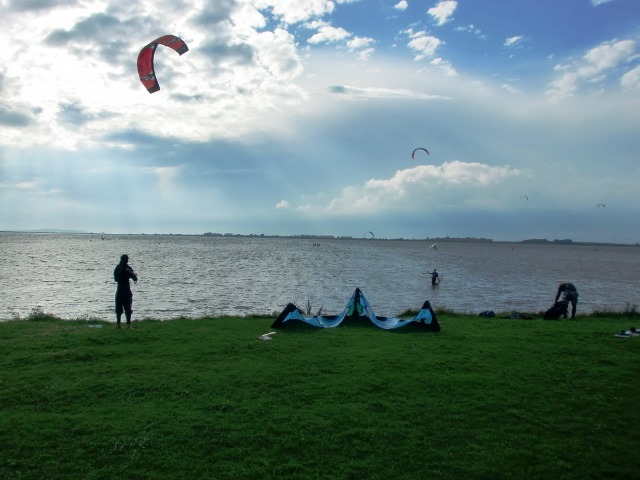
(358, 308)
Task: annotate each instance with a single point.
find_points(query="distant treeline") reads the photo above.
(540, 241)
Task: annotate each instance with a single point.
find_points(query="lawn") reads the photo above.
(206, 399)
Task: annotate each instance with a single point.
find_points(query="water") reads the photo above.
(70, 276)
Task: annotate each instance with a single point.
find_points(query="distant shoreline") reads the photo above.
(532, 241)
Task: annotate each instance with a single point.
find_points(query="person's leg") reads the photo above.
(128, 310)
(574, 304)
(118, 311)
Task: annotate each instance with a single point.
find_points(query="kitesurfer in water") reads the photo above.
(124, 297)
(569, 293)
(434, 278)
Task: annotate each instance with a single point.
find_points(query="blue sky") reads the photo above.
(299, 117)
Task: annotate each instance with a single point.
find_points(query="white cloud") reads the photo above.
(423, 45)
(631, 79)
(412, 187)
(402, 5)
(511, 41)
(359, 43)
(443, 11)
(471, 29)
(592, 67)
(294, 11)
(595, 3)
(282, 204)
(328, 34)
(444, 66)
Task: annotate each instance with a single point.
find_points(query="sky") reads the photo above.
(299, 117)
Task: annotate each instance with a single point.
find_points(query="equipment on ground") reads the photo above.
(357, 309)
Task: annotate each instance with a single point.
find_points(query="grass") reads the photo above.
(206, 399)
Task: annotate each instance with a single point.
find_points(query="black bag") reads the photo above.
(556, 310)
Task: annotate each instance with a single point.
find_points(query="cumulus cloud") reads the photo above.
(444, 66)
(327, 34)
(443, 11)
(402, 5)
(456, 180)
(295, 11)
(592, 68)
(282, 204)
(423, 45)
(631, 79)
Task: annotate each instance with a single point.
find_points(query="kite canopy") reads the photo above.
(357, 308)
(146, 70)
(413, 154)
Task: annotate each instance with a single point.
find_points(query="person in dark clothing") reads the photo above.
(124, 297)
(569, 293)
(434, 278)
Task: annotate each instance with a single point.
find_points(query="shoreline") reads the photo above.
(446, 239)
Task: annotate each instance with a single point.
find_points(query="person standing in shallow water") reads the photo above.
(124, 297)
(434, 278)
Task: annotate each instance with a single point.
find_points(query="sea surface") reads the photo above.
(71, 275)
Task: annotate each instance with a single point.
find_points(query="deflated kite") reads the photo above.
(145, 59)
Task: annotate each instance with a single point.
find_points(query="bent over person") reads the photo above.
(124, 297)
(569, 293)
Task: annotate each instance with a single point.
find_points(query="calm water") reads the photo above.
(70, 276)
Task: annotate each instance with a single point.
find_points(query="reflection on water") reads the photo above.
(71, 275)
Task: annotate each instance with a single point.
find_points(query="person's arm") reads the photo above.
(132, 274)
(560, 290)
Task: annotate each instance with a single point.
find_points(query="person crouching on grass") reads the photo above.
(124, 297)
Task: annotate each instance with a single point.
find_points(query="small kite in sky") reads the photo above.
(146, 70)
(413, 154)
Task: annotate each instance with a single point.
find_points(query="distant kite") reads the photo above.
(524, 197)
(413, 154)
(372, 235)
(146, 69)
(601, 205)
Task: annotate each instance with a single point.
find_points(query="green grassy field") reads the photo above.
(206, 399)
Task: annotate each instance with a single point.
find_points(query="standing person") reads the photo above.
(434, 278)
(124, 297)
(569, 293)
